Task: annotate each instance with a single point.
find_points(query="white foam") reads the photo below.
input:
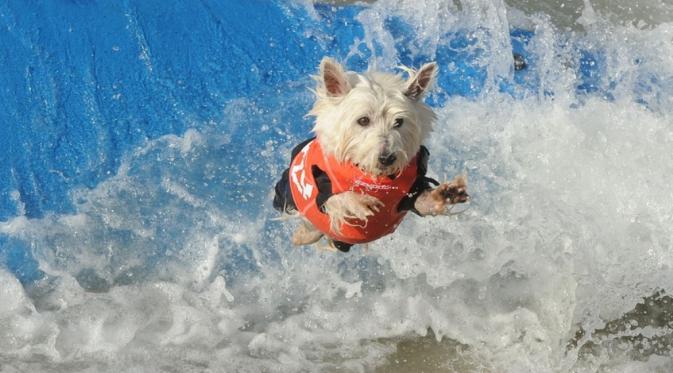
(570, 225)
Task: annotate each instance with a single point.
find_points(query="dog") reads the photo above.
(366, 166)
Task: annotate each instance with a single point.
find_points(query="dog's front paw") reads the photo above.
(434, 202)
(454, 191)
(346, 207)
(363, 206)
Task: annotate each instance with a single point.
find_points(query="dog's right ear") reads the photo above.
(333, 78)
(420, 81)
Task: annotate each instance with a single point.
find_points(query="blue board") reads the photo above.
(84, 83)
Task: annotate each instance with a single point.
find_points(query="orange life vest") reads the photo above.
(348, 177)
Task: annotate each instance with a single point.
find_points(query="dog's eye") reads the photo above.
(364, 121)
(398, 122)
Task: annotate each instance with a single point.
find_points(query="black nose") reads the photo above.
(387, 159)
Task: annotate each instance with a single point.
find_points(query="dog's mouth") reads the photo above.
(380, 170)
(385, 169)
(390, 165)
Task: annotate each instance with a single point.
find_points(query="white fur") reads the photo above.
(382, 98)
(349, 205)
(343, 98)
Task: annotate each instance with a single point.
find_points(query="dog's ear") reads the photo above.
(333, 78)
(421, 81)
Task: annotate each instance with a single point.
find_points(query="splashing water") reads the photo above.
(563, 262)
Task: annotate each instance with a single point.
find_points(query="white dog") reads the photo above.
(355, 180)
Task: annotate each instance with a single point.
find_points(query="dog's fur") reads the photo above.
(343, 98)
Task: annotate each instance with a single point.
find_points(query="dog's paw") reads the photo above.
(348, 207)
(364, 206)
(306, 234)
(435, 201)
(453, 192)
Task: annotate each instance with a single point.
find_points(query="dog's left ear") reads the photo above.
(333, 78)
(421, 81)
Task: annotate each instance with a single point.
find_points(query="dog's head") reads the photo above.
(374, 120)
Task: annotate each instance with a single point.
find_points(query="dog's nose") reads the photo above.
(387, 159)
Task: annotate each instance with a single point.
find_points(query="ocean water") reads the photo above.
(142, 141)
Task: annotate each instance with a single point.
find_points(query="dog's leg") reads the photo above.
(349, 205)
(305, 234)
(433, 202)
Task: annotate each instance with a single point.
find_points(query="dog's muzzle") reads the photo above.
(387, 159)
